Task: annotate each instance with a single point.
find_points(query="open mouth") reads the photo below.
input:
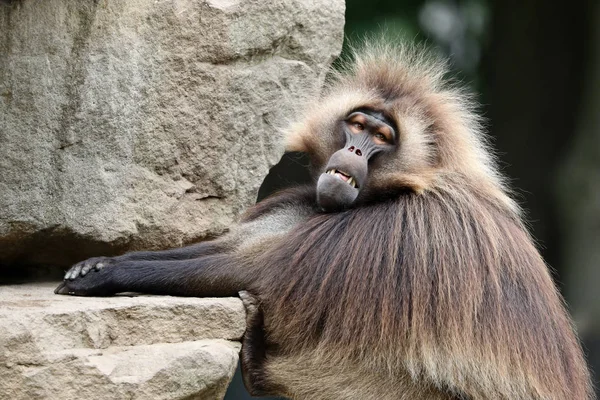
(344, 177)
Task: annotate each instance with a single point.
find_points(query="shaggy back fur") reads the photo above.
(440, 282)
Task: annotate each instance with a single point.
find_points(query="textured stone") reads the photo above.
(142, 347)
(146, 124)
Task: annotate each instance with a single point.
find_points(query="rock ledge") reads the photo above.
(142, 347)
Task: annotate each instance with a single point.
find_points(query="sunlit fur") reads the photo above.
(435, 293)
(441, 136)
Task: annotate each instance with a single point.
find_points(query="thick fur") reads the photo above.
(428, 288)
(437, 287)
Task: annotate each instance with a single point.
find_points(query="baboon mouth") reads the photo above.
(349, 179)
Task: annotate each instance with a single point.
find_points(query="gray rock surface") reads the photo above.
(146, 124)
(143, 347)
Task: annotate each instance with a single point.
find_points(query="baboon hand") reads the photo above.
(91, 277)
(251, 304)
(82, 268)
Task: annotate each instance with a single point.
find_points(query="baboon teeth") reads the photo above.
(343, 176)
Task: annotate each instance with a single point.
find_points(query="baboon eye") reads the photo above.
(358, 126)
(381, 137)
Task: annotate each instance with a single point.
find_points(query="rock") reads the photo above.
(146, 124)
(143, 347)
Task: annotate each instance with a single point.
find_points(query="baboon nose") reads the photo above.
(352, 148)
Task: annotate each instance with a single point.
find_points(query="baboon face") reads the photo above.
(364, 135)
(396, 138)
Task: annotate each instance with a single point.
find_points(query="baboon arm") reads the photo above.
(214, 275)
(213, 268)
(182, 253)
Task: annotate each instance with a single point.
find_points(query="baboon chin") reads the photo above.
(403, 272)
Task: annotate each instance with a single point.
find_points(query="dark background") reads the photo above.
(535, 65)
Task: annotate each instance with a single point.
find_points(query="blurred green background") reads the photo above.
(535, 65)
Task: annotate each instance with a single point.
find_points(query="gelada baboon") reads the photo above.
(403, 272)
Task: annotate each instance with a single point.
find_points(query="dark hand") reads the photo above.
(92, 277)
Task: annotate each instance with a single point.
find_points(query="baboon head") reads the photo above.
(385, 125)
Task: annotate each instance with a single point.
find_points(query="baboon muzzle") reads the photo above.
(346, 173)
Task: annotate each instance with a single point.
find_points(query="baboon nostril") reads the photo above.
(351, 149)
(358, 152)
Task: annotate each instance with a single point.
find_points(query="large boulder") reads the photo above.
(146, 124)
(144, 347)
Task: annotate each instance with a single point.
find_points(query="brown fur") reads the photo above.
(429, 287)
(435, 291)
